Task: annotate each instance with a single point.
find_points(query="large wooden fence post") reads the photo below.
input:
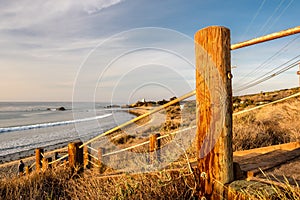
(38, 159)
(75, 156)
(214, 111)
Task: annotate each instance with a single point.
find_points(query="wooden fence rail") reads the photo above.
(266, 38)
(80, 158)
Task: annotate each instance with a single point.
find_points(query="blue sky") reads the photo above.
(51, 50)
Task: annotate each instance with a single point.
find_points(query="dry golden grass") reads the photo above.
(275, 124)
(59, 183)
(177, 184)
(260, 191)
(49, 185)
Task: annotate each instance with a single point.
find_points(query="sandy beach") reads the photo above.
(9, 163)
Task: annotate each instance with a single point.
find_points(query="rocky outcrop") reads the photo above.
(57, 109)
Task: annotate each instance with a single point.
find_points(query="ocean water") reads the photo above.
(28, 125)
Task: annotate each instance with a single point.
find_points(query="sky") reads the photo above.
(126, 50)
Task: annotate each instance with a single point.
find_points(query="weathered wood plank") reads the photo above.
(262, 150)
(268, 160)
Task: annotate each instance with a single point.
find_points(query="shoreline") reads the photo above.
(29, 155)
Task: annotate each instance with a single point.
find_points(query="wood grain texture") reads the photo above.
(214, 110)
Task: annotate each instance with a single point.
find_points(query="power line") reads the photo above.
(278, 17)
(266, 78)
(271, 58)
(270, 18)
(250, 82)
(269, 75)
(254, 17)
(278, 67)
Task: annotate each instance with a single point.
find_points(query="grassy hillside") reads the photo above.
(270, 125)
(251, 100)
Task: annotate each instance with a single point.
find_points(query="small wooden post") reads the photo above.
(86, 157)
(38, 159)
(101, 152)
(27, 170)
(154, 145)
(44, 164)
(214, 111)
(75, 156)
(72, 154)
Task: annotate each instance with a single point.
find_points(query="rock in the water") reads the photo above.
(61, 109)
(55, 109)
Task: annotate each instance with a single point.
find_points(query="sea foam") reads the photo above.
(50, 124)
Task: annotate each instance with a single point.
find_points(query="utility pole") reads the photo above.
(298, 73)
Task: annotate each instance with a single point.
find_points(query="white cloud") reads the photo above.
(23, 14)
(50, 28)
(94, 6)
(29, 13)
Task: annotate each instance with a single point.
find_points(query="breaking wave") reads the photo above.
(50, 124)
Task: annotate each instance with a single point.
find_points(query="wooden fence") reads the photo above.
(213, 112)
